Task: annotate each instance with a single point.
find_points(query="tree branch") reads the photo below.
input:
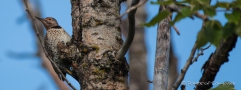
(133, 7)
(203, 17)
(201, 53)
(188, 63)
(37, 33)
(186, 66)
(183, 87)
(131, 16)
(190, 59)
(215, 61)
(176, 8)
(175, 28)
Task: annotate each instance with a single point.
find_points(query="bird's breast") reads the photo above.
(56, 35)
(53, 37)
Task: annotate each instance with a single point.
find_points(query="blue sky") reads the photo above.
(27, 73)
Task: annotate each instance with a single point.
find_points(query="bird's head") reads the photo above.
(49, 22)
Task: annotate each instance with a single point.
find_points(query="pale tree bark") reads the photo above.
(97, 35)
(137, 52)
(160, 81)
(45, 62)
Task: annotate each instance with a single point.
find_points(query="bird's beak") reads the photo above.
(39, 18)
(43, 21)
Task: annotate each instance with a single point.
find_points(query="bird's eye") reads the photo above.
(50, 19)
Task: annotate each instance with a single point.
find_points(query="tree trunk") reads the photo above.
(160, 81)
(97, 35)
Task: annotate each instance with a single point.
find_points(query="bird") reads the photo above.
(54, 35)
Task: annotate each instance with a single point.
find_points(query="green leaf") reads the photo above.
(223, 5)
(203, 2)
(234, 17)
(184, 12)
(160, 16)
(236, 4)
(225, 86)
(210, 11)
(183, 2)
(213, 31)
(216, 25)
(201, 39)
(238, 29)
(192, 2)
(228, 29)
(163, 2)
(178, 17)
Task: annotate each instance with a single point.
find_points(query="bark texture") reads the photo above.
(162, 55)
(215, 61)
(97, 35)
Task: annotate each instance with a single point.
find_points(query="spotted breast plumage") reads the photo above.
(54, 35)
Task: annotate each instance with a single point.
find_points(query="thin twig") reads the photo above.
(184, 70)
(169, 19)
(140, 4)
(183, 87)
(188, 63)
(37, 33)
(201, 53)
(190, 59)
(203, 17)
(149, 81)
(175, 28)
(176, 8)
(132, 8)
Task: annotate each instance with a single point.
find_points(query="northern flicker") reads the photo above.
(54, 35)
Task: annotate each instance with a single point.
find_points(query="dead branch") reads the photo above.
(185, 68)
(201, 53)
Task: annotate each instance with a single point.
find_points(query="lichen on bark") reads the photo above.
(97, 35)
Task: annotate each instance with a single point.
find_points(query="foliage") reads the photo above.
(212, 31)
(224, 86)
